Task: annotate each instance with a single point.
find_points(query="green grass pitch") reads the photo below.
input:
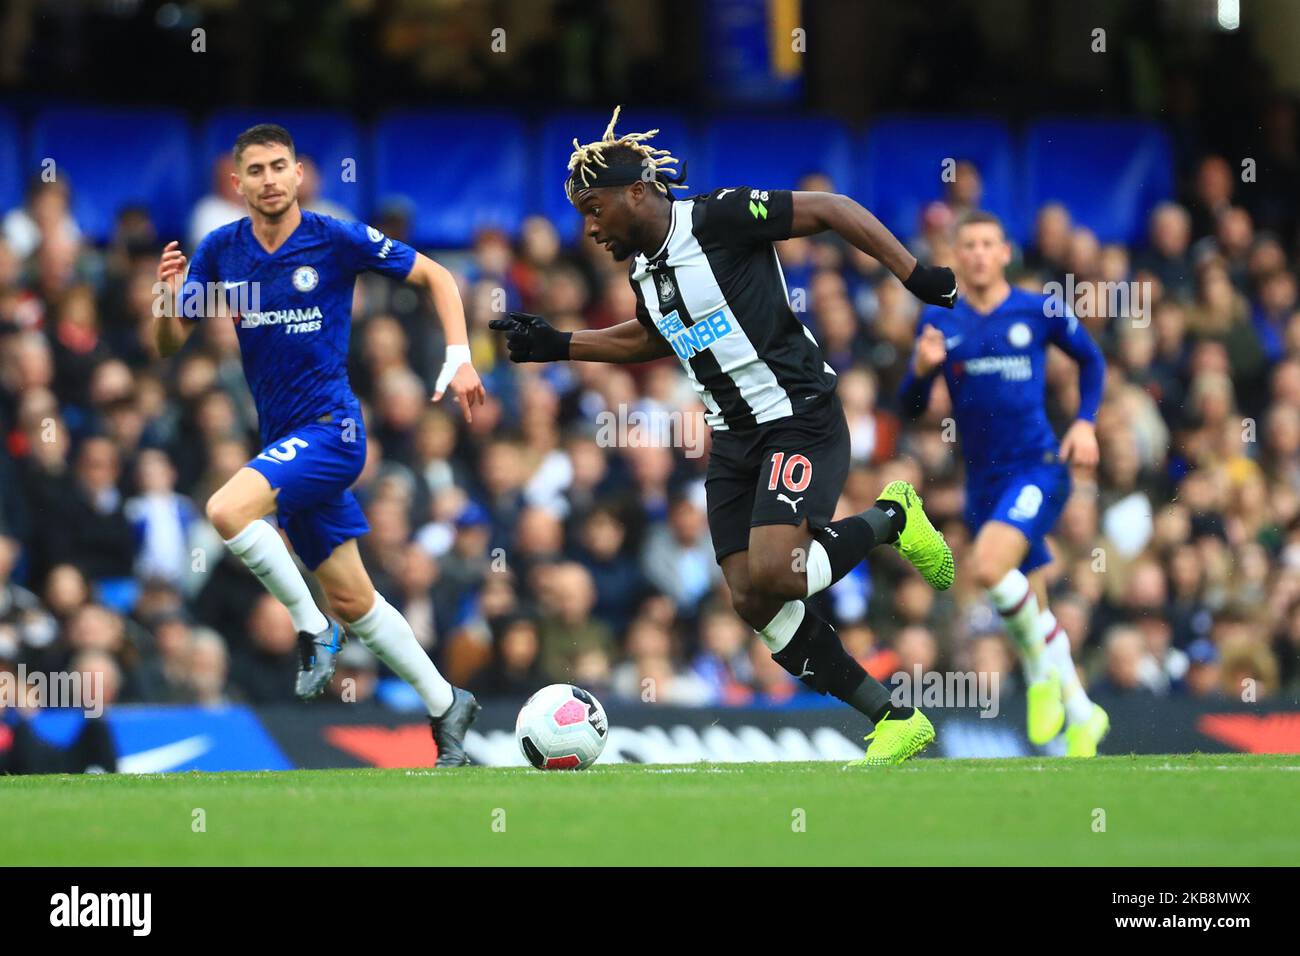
(1202, 809)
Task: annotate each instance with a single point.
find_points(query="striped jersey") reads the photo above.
(716, 293)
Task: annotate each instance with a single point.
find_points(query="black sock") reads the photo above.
(891, 512)
(848, 540)
(816, 656)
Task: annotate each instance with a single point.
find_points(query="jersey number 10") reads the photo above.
(786, 475)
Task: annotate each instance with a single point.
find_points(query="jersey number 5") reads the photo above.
(285, 451)
(786, 475)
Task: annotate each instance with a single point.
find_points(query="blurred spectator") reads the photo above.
(678, 557)
(515, 670)
(723, 664)
(649, 675)
(89, 528)
(26, 627)
(162, 519)
(357, 677)
(620, 583)
(567, 628)
(1204, 676)
(222, 205)
(309, 193)
(266, 672)
(47, 214)
(1167, 256)
(209, 669)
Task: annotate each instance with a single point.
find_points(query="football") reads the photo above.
(561, 727)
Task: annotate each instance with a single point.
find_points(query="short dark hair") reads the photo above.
(263, 134)
(976, 216)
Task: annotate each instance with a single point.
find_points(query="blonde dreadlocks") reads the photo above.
(633, 159)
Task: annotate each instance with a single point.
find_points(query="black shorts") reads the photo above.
(781, 472)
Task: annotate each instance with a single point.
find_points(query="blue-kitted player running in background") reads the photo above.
(992, 351)
(286, 278)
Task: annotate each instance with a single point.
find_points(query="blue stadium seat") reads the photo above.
(772, 152)
(546, 177)
(1108, 173)
(328, 138)
(462, 171)
(119, 157)
(13, 178)
(902, 161)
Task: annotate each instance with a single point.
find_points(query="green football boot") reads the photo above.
(921, 542)
(894, 741)
(1046, 714)
(1081, 740)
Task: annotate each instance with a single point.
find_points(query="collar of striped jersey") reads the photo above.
(672, 226)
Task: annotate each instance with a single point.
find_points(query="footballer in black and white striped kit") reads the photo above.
(715, 291)
(709, 289)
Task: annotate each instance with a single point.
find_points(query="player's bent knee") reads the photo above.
(350, 605)
(988, 571)
(777, 579)
(755, 607)
(225, 516)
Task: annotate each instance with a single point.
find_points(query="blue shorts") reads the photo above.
(313, 467)
(1030, 501)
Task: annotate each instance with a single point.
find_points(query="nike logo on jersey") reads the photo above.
(234, 285)
(723, 192)
(806, 671)
(794, 505)
(953, 342)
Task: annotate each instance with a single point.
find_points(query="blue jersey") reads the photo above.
(996, 375)
(292, 310)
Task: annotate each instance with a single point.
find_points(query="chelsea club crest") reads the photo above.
(305, 278)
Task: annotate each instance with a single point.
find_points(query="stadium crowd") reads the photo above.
(527, 547)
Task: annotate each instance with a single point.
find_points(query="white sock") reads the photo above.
(780, 630)
(1078, 706)
(1015, 601)
(818, 571)
(390, 638)
(263, 552)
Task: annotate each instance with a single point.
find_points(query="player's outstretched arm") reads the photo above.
(530, 338)
(171, 331)
(457, 373)
(1079, 445)
(927, 358)
(817, 212)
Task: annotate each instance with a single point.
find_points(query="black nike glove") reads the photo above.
(531, 339)
(933, 285)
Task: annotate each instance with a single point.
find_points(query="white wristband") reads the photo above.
(457, 355)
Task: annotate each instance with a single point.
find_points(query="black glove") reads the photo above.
(933, 285)
(530, 339)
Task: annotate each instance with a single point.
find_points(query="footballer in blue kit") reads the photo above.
(285, 276)
(991, 350)
(293, 336)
